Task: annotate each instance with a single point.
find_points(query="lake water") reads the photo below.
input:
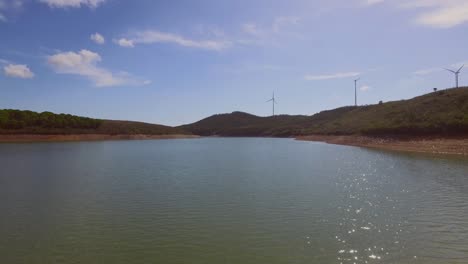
(224, 200)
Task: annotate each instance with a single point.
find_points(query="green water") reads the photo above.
(229, 201)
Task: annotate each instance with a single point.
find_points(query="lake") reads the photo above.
(229, 200)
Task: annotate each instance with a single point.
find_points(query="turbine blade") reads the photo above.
(461, 68)
(450, 70)
(269, 100)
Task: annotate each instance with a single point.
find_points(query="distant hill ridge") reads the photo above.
(439, 113)
(244, 124)
(442, 113)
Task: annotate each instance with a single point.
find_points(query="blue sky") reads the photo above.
(175, 62)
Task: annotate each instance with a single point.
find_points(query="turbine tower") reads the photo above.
(273, 102)
(355, 91)
(456, 74)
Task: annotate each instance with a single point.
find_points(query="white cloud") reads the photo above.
(123, 42)
(427, 71)
(84, 63)
(445, 15)
(459, 64)
(373, 2)
(73, 3)
(214, 38)
(98, 38)
(18, 71)
(365, 88)
(251, 29)
(150, 37)
(433, 13)
(340, 75)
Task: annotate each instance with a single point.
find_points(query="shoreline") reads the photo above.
(434, 145)
(439, 146)
(25, 138)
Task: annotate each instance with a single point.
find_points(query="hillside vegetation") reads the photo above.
(244, 124)
(28, 122)
(439, 113)
(443, 113)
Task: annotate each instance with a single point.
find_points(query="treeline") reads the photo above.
(111, 127)
(18, 120)
(29, 122)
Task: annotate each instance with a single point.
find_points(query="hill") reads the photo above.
(440, 113)
(47, 123)
(244, 125)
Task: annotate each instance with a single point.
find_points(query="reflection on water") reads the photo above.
(229, 201)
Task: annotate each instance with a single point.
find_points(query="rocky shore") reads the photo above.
(433, 145)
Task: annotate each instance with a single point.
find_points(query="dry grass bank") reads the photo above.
(85, 137)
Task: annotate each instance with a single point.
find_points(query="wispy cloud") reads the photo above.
(459, 64)
(213, 39)
(72, 3)
(434, 13)
(372, 2)
(444, 14)
(209, 31)
(252, 29)
(152, 37)
(249, 67)
(263, 34)
(9, 6)
(282, 22)
(428, 71)
(339, 75)
(365, 88)
(279, 25)
(21, 71)
(98, 38)
(84, 63)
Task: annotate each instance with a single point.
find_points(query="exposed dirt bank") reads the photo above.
(452, 146)
(85, 137)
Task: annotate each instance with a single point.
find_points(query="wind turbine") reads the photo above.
(355, 91)
(456, 74)
(273, 102)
